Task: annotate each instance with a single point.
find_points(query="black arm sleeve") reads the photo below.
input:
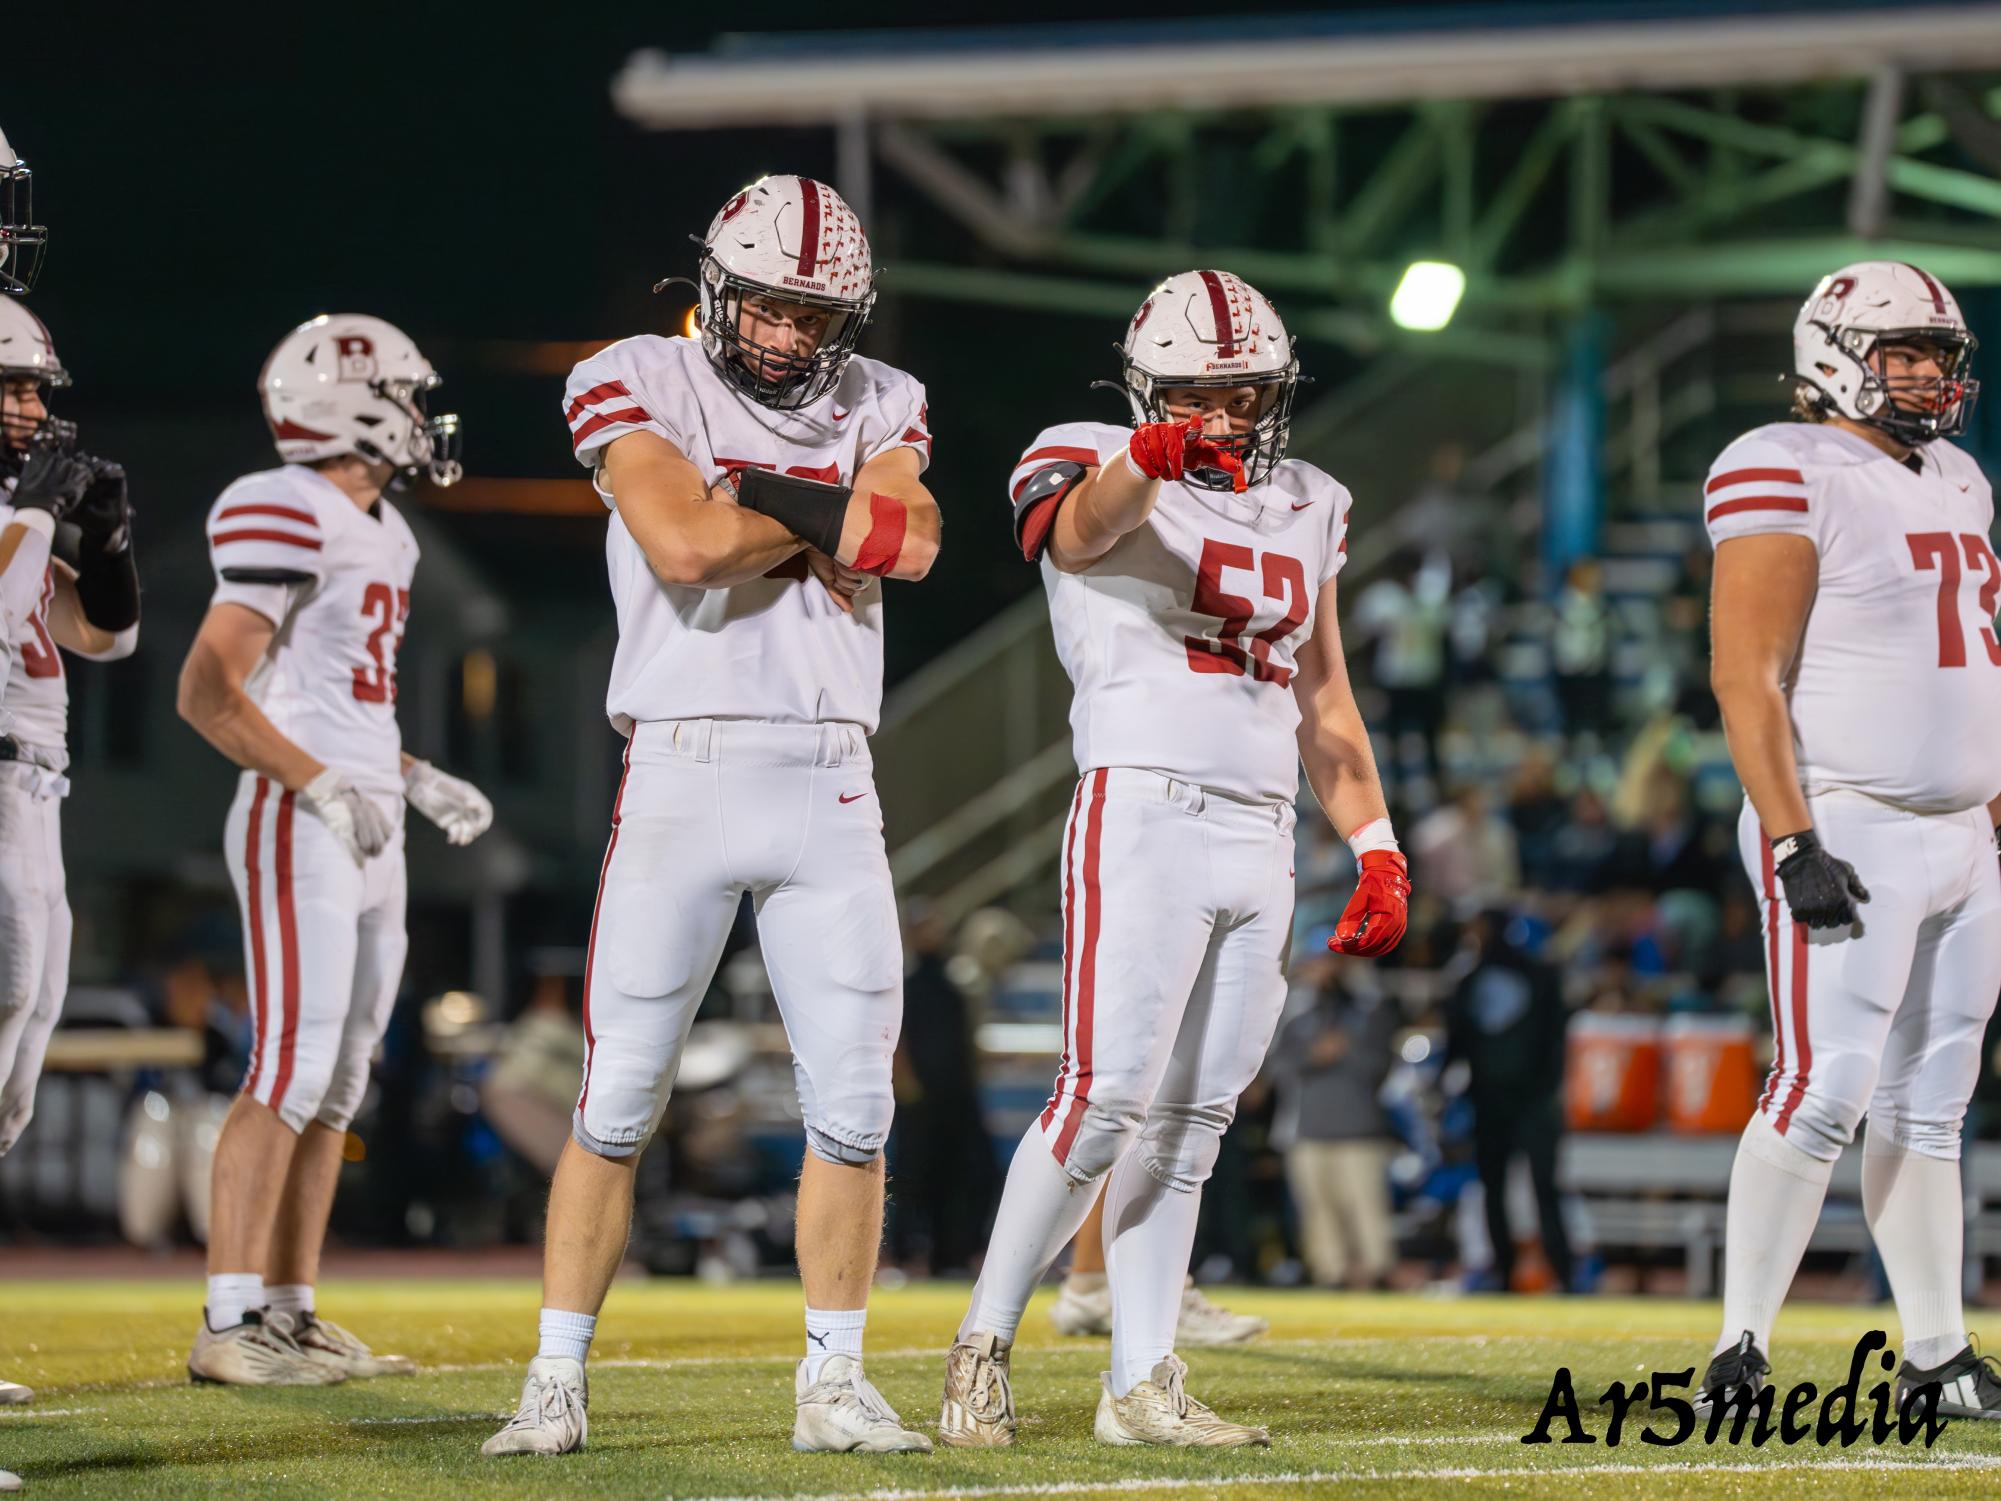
(266, 576)
(812, 511)
(107, 586)
(1035, 507)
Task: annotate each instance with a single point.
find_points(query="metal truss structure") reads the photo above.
(1562, 168)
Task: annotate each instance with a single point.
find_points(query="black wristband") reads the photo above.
(1790, 846)
(812, 511)
(107, 586)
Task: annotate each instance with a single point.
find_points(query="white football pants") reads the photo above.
(34, 935)
(709, 809)
(324, 944)
(1884, 1018)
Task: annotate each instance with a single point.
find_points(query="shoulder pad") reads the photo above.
(1035, 506)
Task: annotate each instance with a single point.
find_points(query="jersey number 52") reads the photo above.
(1284, 580)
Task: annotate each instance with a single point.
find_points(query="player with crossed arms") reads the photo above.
(1857, 668)
(763, 479)
(292, 676)
(1191, 575)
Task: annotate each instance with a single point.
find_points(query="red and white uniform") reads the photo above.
(324, 939)
(1896, 710)
(747, 711)
(35, 921)
(1182, 645)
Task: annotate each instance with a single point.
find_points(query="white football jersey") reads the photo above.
(1897, 691)
(1181, 641)
(36, 703)
(328, 679)
(777, 648)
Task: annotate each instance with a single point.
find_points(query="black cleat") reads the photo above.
(1743, 1365)
(1969, 1385)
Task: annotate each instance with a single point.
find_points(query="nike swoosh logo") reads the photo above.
(1302, 505)
(843, 416)
(848, 797)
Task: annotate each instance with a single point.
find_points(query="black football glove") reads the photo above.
(104, 512)
(1821, 891)
(53, 479)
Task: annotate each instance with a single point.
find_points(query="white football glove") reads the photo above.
(456, 806)
(344, 808)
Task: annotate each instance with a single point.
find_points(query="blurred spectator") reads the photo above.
(202, 990)
(1464, 854)
(1504, 1019)
(531, 1090)
(1581, 650)
(1329, 1067)
(1537, 814)
(946, 1173)
(1406, 614)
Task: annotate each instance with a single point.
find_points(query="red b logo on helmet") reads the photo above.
(354, 357)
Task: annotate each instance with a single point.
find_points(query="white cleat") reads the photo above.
(1205, 1324)
(843, 1413)
(331, 1345)
(553, 1417)
(978, 1411)
(255, 1353)
(9, 1481)
(1160, 1411)
(1082, 1311)
(12, 1392)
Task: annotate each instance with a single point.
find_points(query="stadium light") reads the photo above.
(1427, 296)
(688, 327)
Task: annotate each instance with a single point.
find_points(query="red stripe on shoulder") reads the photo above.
(601, 420)
(1757, 503)
(283, 513)
(1753, 477)
(592, 397)
(223, 539)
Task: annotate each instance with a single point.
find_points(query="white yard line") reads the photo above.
(1316, 1477)
(41, 1412)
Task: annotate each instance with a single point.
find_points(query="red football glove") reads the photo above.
(1379, 911)
(1165, 450)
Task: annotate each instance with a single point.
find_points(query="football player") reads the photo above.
(763, 479)
(292, 676)
(65, 533)
(27, 365)
(1857, 668)
(1190, 568)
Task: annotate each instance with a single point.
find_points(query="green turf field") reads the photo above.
(691, 1397)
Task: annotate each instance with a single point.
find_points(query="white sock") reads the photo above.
(1040, 1212)
(566, 1334)
(1776, 1191)
(1916, 1213)
(1149, 1236)
(294, 1298)
(832, 1331)
(231, 1295)
(1085, 1282)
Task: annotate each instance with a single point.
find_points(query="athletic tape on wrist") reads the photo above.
(1374, 835)
(888, 520)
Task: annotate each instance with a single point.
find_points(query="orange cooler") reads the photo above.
(1612, 1073)
(1712, 1080)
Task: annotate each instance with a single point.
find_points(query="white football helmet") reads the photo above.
(349, 383)
(22, 240)
(27, 353)
(1209, 328)
(798, 240)
(1855, 310)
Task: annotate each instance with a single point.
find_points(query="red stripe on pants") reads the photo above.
(1087, 969)
(254, 899)
(1772, 973)
(288, 946)
(591, 950)
(1069, 946)
(1802, 1044)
